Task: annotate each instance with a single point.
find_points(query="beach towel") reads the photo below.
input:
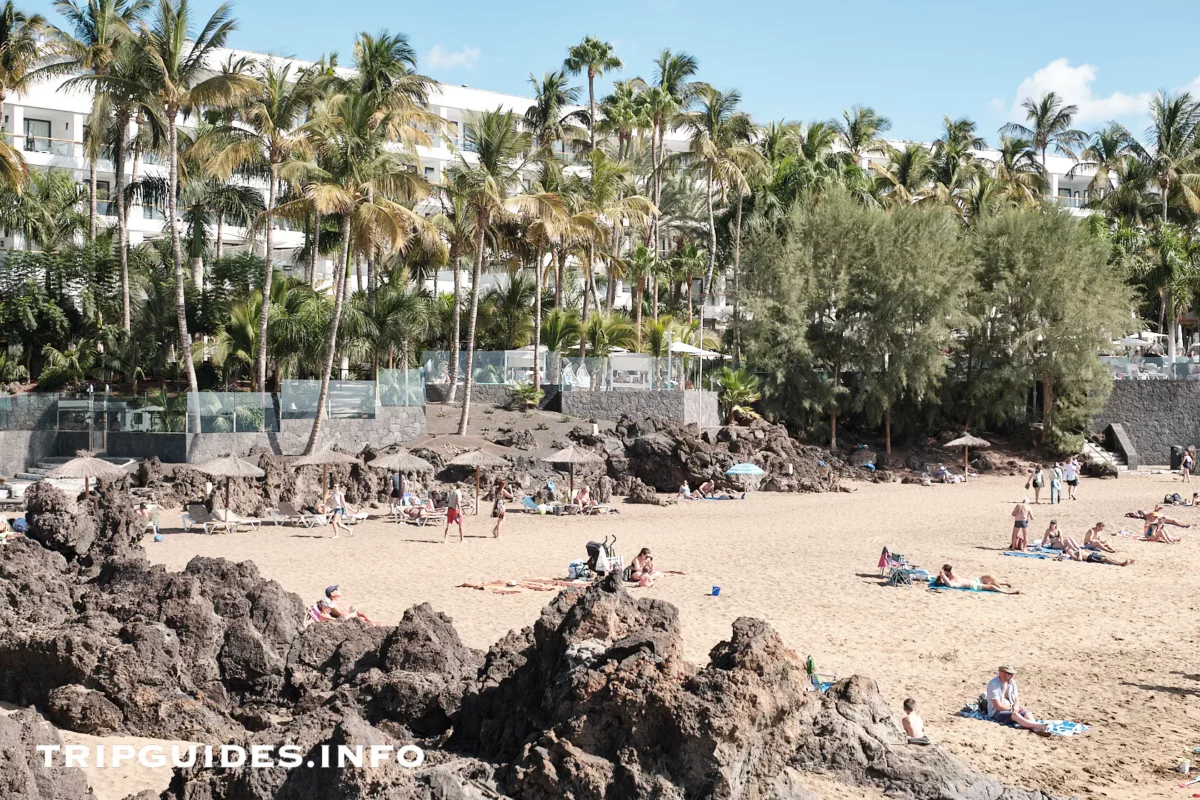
(939, 588)
(1027, 554)
(1057, 727)
(1127, 534)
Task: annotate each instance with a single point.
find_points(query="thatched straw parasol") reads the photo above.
(966, 442)
(228, 467)
(477, 459)
(571, 455)
(402, 461)
(325, 458)
(86, 466)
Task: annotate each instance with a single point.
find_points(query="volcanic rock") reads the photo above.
(23, 772)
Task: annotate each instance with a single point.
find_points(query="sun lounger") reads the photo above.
(237, 521)
(288, 513)
(567, 509)
(199, 515)
(355, 518)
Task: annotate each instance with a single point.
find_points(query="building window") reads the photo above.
(104, 204)
(37, 135)
(431, 174)
(150, 211)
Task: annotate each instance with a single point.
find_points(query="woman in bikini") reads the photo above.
(1054, 539)
(502, 493)
(338, 501)
(984, 583)
(642, 569)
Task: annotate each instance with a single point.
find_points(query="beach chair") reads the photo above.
(355, 518)
(151, 525)
(568, 509)
(289, 513)
(199, 515)
(437, 515)
(820, 682)
(314, 613)
(237, 521)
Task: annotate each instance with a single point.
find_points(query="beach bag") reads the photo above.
(602, 560)
(19, 525)
(982, 705)
(627, 573)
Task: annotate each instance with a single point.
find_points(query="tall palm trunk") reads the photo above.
(559, 268)
(592, 109)
(339, 299)
(706, 284)
(122, 122)
(637, 302)
(587, 279)
(737, 262)
(220, 236)
(185, 341)
(261, 358)
(91, 196)
(316, 249)
(537, 320)
(476, 276)
(454, 345)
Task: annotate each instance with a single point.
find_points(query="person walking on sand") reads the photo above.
(1071, 476)
(502, 493)
(1037, 479)
(1004, 702)
(453, 513)
(396, 484)
(1022, 515)
(1185, 468)
(338, 500)
(1056, 481)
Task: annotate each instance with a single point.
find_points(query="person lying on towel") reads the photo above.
(984, 583)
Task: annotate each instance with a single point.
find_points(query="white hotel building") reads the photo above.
(47, 123)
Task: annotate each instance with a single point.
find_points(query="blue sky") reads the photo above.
(914, 62)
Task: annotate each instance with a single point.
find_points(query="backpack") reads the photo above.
(982, 704)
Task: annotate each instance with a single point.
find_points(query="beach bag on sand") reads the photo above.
(981, 704)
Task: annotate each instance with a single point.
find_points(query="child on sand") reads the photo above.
(914, 726)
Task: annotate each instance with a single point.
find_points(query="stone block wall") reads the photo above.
(698, 407)
(1155, 415)
(20, 450)
(702, 409)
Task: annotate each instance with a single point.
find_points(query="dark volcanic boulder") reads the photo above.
(77, 708)
(23, 773)
(59, 524)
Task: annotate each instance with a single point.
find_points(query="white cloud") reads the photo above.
(440, 58)
(998, 103)
(1074, 85)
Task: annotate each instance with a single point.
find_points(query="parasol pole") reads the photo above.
(228, 478)
(324, 484)
(966, 460)
(477, 491)
(571, 499)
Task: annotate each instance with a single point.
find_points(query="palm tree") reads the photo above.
(19, 54)
(622, 115)
(1173, 155)
(904, 175)
(94, 33)
(1108, 146)
(1017, 170)
(639, 266)
(1049, 126)
(721, 143)
(489, 185)
(358, 178)
(739, 390)
(612, 201)
(47, 211)
(182, 81)
(509, 308)
(551, 97)
(859, 131)
(267, 135)
(595, 58)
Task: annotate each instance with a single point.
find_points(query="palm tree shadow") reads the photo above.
(1175, 690)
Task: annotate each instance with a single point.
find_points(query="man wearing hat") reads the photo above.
(334, 607)
(1004, 704)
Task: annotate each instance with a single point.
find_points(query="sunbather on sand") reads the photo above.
(1155, 529)
(334, 606)
(1139, 514)
(1054, 539)
(707, 489)
(419, 511)
(583, 498)
(984, 583)
(685, 492)
(642, 569)
(1091, 539)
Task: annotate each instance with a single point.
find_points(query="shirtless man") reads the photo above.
(1022, 515)
(984, 583)
(1091, 539)
(334, 607)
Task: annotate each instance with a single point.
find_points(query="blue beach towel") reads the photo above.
(939, 588)
(1027, 554)
(1057, 727)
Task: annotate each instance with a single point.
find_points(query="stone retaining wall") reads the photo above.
(1155, 415)
(698, 407)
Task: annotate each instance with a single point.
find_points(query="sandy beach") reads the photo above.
(1108, 646)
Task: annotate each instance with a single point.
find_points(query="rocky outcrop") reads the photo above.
(593, 701)
(23, 772)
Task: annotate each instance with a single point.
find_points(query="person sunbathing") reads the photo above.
(419, 511)
(685, 492)
(707, 489)
(984, 583)
(334, 606)
(583, 498)
(1139, 514)
(1091, 539)
(1054, 539)
(642, 569)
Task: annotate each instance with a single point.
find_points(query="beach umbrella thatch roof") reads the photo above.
(402, 461)
(86, 467)
(478, 458)
(573, 454)
(967, 440)
(325, 458)
(229, 467)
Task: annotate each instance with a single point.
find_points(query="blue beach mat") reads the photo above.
(938, 588)
(1057, 727)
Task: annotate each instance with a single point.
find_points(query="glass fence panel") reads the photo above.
(352, 399)
(401, 387)
(231, 412)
